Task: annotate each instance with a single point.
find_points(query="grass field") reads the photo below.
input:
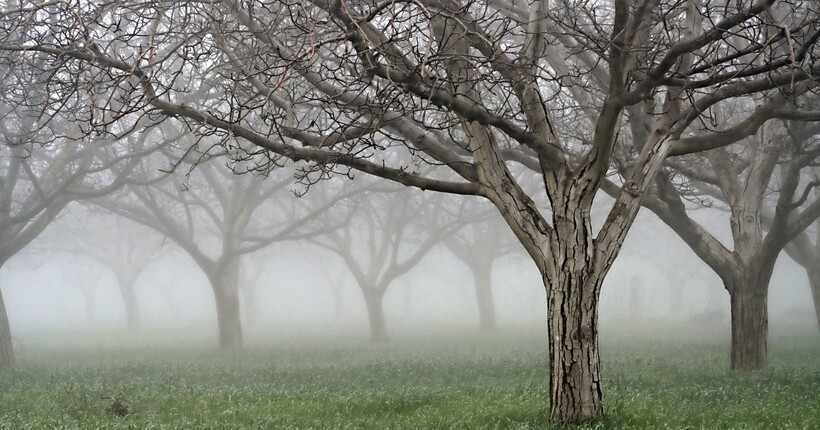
(453, 381)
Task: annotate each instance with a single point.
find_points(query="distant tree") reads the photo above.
(43, 167)
(86, 278)
(478, 245)
(468, 87)
(742, 180)
(216, 217)
(251, 268)
(123, 247)
(806, 252)
(389, 234)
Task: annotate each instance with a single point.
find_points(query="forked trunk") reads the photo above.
(129, 299)
(374, 298)
(484, 296)
(749, 328)
(6, 347)
(226, 294)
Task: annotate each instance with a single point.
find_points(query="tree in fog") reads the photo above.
(86, 278)
(467, 87)
(124, 248)
(216, 216)
(389, 233)
(775, 158)
(478, 245)
(806, 252)
(42, 169)
(251, 268)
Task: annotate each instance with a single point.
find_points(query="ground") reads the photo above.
(458, 380)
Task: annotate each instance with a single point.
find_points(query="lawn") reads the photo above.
(452, 381)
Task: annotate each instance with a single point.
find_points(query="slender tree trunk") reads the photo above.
(129, 299)
(813, 273)
(225, 284)
(6, 346)
(750, 324)
(374, 298)
(482, 275)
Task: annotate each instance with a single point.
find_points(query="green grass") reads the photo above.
(450, 381)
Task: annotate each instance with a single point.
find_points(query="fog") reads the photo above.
(305, 290)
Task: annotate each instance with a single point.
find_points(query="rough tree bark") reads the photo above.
(749, 326)
(572, 312)
(747, 281)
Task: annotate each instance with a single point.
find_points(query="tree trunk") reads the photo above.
(749, 327)
(6, 346)
(573, 282)
(482, 275)
(813, 273)
(575, 371)
(129, 299)
(225, 284)
(374, 298)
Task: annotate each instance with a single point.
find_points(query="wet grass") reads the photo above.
(451, 381)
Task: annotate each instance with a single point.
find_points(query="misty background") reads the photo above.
(302, 287)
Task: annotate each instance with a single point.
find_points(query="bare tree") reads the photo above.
(121, 246)
(807, 253)
(217, 216)
(42, 169)
(478, 245)
(466, 86)
(389, 234)
(775, 158)
(87, 279)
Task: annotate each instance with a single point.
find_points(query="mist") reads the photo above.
(428, 214)
(304, 290)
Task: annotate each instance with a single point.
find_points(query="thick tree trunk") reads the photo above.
(374, 298)
(225, 284)
(749, 327)
(129, 300)
(575, 371)
(813, 273)
(573, 292)
(6, 346)
(482, 275)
